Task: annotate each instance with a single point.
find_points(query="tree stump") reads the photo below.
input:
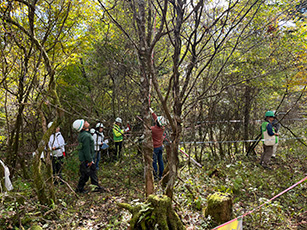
(219, 207)
(156, 213)
(36, 227)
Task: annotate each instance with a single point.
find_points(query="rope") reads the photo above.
(214, 142)
(273, 198)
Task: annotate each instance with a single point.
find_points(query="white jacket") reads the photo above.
(98, 140)
(56, 140)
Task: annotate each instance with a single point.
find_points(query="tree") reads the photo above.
(40, 33)
(186, 49)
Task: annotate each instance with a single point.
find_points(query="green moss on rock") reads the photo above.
(219, 207)
(36, 227)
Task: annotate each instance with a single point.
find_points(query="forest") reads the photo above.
(212, 69)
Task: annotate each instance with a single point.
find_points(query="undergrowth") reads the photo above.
(249, 184)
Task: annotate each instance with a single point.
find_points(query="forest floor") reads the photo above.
(249, 184)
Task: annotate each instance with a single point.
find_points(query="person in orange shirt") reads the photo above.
(157, 137)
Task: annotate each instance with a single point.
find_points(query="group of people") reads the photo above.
(90, 146)
(269, 131)
(91, 143)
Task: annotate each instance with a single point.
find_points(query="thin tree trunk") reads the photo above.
(247, 110)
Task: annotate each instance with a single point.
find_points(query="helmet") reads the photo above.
(269, 114)
(92, 131)
(49, 124)
(99, 125)
(78, 124)
(161, 120)
(119, 120)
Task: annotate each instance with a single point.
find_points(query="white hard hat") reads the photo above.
(119, 120)
(99, 125)
(92, 131)
(78, 124)
(49, 124)
(161, 120)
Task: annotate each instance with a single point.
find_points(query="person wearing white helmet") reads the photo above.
(92, 131)
(86, 155)
(98, 137)
(118, 135)
(157, 137)
(57, 152)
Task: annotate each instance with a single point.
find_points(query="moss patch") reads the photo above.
(157, 211)
(219, 207)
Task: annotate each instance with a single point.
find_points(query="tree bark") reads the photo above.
(145, 60)
(247, 110)
(39, 177)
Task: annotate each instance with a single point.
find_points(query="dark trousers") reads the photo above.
(97, 159)
(158, 158)
(57, 166)
(86, 173)
(118, 149)
(266, 155)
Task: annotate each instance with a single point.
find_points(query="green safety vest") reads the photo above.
(117, 133)
(267, 139)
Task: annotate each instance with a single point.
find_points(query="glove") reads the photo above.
(128, 128)
(64, 154)
(151, 111)
(106, 141)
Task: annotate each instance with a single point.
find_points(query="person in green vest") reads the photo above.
(269, 138)
(118, 135)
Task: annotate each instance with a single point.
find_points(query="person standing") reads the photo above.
(98, 137)
(86, 155)
(56, 145)
(92, 131)
(118, 135)
(269, 137)
(157, 137)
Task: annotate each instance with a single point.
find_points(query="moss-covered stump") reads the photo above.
(156, 213)
(219, 207)
(36, 227)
